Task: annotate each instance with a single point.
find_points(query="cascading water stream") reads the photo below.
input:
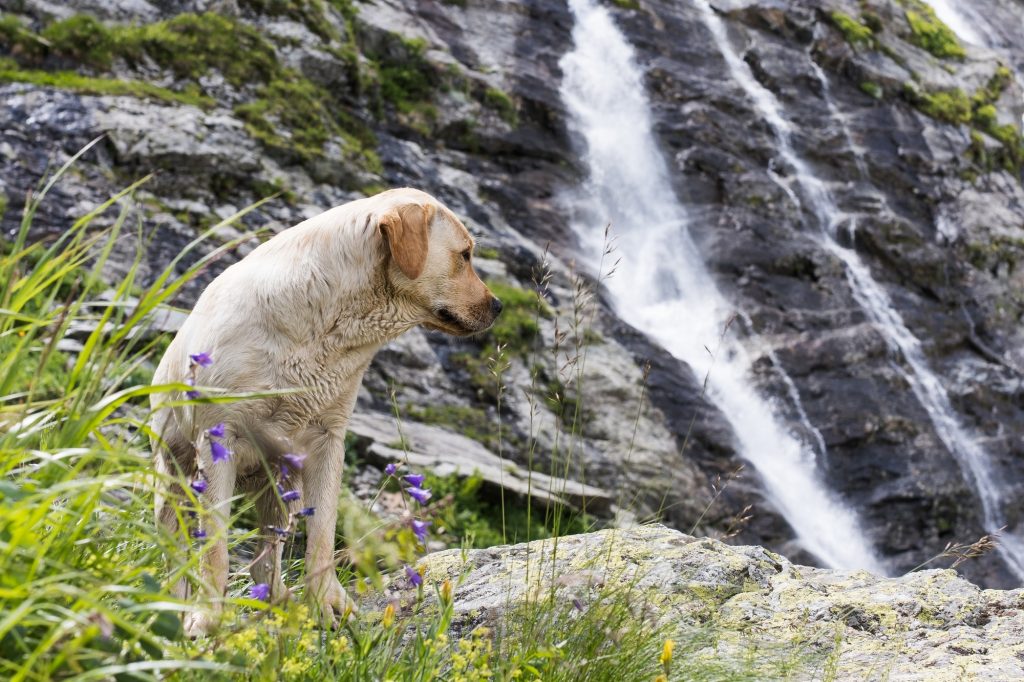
(663, 288)
(928, 389)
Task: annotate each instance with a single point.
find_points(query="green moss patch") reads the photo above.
(293, 117)
(69, 80)
(471, 422)
(873, 90)
(479, 520)
(517, 327)
(855, 32)
(500, 102)
(307, 12)
(189, 45)
(980, 113)
(950, 106)
(928, 32)
(288, 113)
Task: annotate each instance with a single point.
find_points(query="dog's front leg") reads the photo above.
(216, 502)
(321, 482)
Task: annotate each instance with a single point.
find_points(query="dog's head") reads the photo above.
(430, 264)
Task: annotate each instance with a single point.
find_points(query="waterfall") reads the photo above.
(662, 287)
(972, 458)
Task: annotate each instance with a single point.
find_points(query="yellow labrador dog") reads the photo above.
(304, 312)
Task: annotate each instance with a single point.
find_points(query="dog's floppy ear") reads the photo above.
(407, 229)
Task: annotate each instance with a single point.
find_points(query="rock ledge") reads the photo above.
(926, 625)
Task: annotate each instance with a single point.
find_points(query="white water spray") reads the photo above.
(663, 288)
(974, 461)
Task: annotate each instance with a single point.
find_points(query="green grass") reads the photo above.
(188, 45)
(10, 72)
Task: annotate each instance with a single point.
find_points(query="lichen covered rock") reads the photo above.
(748, 601)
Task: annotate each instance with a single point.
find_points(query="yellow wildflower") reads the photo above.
(666, 653)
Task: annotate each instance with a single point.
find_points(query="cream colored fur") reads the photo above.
(306, 311)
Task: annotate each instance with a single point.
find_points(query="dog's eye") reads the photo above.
(466, 255)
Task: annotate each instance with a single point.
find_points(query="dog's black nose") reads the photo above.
(496, 305)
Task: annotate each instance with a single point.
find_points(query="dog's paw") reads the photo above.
(330, 603)
(200, 624)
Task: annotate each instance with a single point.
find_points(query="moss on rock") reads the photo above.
(499, 101)
(855, 32)
(517, 326)
(10, 72)
(928, 32)
(286, 112)
(810, 623)
(978, 111)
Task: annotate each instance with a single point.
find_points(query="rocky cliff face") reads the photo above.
(230, 101)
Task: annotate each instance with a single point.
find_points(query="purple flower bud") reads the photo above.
(578, 604)
(219, 452)
(260, 591)
(279, 530)
(217, 431)
(419, 529)
(191, 395)
(290, 495)
(415, 480)
(199, 533)
(294, 461)
(202, 359)
(199, 486)
(308, 511)
(414, 576)
(390, 469)
(418, 494)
